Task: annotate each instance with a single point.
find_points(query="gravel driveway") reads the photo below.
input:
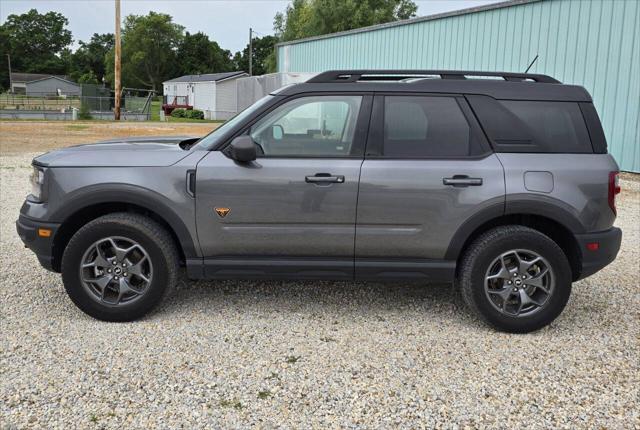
(313, 354)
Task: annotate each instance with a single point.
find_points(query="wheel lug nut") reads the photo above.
(124, 274)
(117, 277)
(113, 262)
(108, 270)
(515, 289)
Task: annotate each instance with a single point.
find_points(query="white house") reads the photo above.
(214, 93)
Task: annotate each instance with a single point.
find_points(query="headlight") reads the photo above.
(37, 181)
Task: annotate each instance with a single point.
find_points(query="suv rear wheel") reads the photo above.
(515, 278)
(119, 266)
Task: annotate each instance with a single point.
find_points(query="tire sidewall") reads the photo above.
(540, 244)
(71, 261)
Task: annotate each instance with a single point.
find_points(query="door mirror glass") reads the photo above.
(242, 149)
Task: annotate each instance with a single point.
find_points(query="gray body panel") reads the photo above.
(134, 152)
(389, 219)
(580, 187)
(405, 210)
(273, 211)
(159, 189)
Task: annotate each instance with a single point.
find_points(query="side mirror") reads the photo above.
(243, 149)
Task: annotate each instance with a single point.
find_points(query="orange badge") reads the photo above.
(222, 212)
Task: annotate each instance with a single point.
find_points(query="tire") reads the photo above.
(503, 279)
(116, 243)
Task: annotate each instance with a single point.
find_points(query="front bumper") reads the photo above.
(608, 246)
(41, 246)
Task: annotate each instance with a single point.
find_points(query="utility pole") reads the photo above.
(250, 51)
(116, 69)
(10, 80)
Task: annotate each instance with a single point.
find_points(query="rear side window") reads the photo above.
(422, 127)
(533, 126)
(554, 126)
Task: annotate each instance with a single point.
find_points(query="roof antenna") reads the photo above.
(532, 63)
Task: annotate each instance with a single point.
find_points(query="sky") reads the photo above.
(226, 22)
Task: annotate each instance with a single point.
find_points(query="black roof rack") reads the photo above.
(333, 76)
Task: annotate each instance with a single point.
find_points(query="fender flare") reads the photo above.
(128, 194)
(527, 204)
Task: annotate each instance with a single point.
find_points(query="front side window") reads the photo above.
(424, 126)
(213, 138)
(314, 126)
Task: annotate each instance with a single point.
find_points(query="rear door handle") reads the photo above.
(462, 181)
(324, 178)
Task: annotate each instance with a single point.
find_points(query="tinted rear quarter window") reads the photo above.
(554, 126)
(533, 126)
(423, 127)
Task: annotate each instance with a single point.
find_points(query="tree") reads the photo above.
(263, 56)
(306, 18)
(197, 55)
(35, 42)
(88, 78)
(149, 50)
(89, 58)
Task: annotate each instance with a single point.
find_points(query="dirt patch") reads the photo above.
(35, 136)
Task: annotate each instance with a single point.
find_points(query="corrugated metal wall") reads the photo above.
(594, 43)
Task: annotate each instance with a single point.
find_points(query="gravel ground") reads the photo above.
(313, 354)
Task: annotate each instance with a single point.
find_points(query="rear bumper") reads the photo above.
(41, 246)
(608, 246)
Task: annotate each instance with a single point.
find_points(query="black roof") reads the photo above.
(499, 85)
(207, 77)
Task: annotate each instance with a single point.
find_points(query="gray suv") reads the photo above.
(497, 182)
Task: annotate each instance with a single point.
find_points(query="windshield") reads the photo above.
(211, 139)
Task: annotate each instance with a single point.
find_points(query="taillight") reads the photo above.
(614, 188)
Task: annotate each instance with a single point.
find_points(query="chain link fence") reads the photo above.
(94, 102)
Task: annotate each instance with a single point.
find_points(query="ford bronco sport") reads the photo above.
(497, 182)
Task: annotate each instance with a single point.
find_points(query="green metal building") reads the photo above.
(593, 43)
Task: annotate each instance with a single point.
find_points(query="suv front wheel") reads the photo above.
(119, 266)
(515, 278)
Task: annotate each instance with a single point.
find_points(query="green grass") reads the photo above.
(155, 109)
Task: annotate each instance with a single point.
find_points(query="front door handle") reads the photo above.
(324, 178)
(462, 181)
